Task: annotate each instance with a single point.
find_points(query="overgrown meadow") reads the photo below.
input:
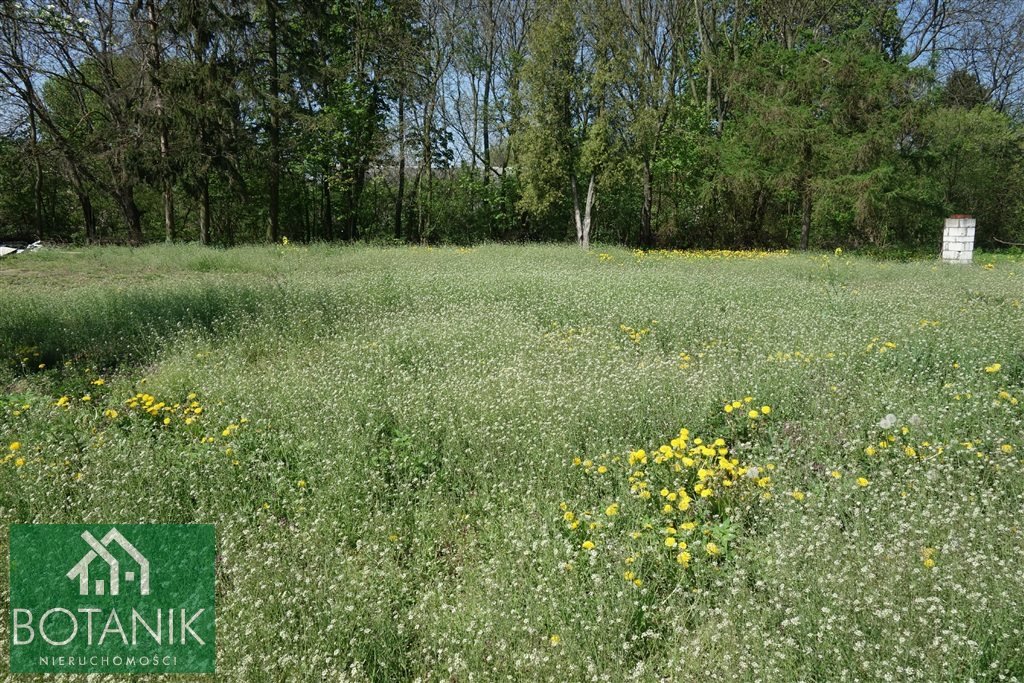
(534, 463)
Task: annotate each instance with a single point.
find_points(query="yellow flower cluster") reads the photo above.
(878, 346)
(147, 404)
(636, 335)
(25, 355)
(1006, 396)
(672, 506)
(745, 407)
(12, 454)
(900, 441)
(714, 254)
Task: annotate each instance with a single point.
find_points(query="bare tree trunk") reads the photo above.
(165, 144)
(274, 134)
(486, 115)
(37, 184)
(426, 164)
(88, 213)
(327, 210)
(417, 200)
(88, 216)
(577, 219)
(583, 219)
(355, 195)
(587, 211)
(169, 230)
(805, 218)
(307, 218)
(126, 198)
(646, 233)
(400, 195)
(204, 210)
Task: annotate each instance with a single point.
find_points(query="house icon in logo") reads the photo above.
(99, 549)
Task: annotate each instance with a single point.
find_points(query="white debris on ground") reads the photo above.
(7, 251)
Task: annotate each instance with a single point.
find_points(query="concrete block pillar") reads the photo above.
(958, 239)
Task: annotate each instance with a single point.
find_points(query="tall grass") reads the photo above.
(388, 436)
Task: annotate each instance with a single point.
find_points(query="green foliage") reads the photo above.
(743, 124)
(545, 155)
(977, 167)
(16, 199)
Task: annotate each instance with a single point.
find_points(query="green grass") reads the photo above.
(406, 421)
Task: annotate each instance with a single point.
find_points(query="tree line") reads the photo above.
(690, 123)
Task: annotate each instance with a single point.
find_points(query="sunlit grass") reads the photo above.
(389, 442)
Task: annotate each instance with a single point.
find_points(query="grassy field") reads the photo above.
(531, 463)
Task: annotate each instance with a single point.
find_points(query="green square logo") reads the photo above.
(100, 598)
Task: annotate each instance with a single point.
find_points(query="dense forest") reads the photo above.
(696, 123)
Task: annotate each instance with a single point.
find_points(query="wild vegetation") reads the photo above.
(712, 123)
(539, 463)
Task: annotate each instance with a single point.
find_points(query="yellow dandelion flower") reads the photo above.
(753, 414)
(712, 548)
(862, 482)
(15, 446)
(766, 410)
(588, 545)
(19, 462)
(612, 510)
(797, 495)
(670, 542)
(555, 640)
(995, 367)
(683, 558)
